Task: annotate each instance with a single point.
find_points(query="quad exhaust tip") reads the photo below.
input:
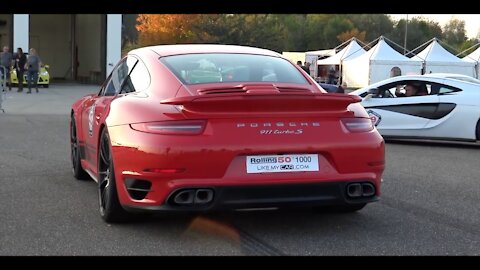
(368, 190)
(357, 190)
(354, 190)
(184, 197)
(193, 196)
(203, 196)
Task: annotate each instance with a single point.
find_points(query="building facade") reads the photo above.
(77, 47)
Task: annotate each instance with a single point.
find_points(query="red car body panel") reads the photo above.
(311, 124)
(225, 164)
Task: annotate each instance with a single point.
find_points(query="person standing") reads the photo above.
(341, 88)
(20, 61)
(307, 68)
(6, 58)
(33, 67)
(332, 76)
(299, 63)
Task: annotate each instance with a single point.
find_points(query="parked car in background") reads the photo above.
(43, 77)
(332, 88)
(450, 109)
(204, 127)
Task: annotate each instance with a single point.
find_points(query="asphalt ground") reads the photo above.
(429, 204)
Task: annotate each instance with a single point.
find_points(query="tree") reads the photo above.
(167, 28)
(336, 25)
(279, 32)
(314, 31)
(350, 34)
(419, 32)
(468, 44)
(374, 25)
(260, 30)
(454, 33)
(129, 31)
(293, 29)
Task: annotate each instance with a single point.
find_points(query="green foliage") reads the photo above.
(467, 47)
(374, 25)
(418, 30)
(454, 33)
(314, 31)
(293, 32)
(128, 46)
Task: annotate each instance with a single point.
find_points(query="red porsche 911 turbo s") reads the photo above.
(207, 127)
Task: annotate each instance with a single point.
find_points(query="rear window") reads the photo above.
(227, 67)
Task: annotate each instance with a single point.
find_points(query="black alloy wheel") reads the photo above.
(110, 209)
(477, 132)
(78, 172)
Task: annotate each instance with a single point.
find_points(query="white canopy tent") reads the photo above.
(312, 57)
(379, 63)
(350, 51)
(294, 56)
(327, 52)
(474, 57)
(439, 60)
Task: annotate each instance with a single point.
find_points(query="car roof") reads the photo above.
(446, 75)
(167, 50)
(431, 77)
(434, 76)
(454, 76)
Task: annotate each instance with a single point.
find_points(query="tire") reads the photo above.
(78, 172)
(477, 132)
(110, 209)
(346, 208)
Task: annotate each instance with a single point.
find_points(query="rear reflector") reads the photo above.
(161, 170)
(358, 124)
(182, 127)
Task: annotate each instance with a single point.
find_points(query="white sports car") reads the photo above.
(449, 109)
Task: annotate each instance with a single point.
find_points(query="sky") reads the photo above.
(472, 21)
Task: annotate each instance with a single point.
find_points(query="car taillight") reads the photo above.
(182, 127)
(358, 124)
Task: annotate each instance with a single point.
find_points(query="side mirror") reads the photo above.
(373, 91)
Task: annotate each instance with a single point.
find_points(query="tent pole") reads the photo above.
(405, 42)
(469, 48)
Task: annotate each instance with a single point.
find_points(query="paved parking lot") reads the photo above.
(429, 204)
(56, 99)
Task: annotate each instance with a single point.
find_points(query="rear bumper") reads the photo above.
(264, 196)
(150, 168)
